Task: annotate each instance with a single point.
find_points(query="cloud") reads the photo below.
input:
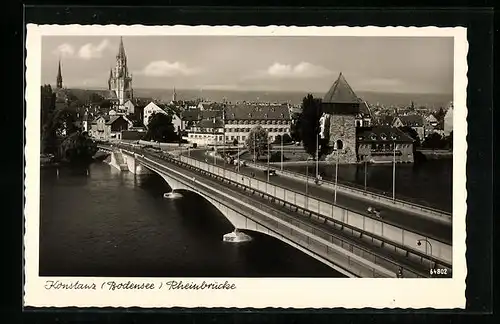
(167, 69)
(302, 70)
(64, 50)
(90, 51)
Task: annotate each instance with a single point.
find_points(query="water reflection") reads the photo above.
(428, 183)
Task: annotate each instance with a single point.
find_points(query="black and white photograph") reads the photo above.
(261, 162)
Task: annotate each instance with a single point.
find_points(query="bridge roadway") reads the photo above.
(405, 219)
(392, 258)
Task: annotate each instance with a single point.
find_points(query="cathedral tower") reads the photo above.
(59, 80)
(120, 82)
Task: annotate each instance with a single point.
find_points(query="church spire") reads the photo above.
(121, 50)
(59, 80)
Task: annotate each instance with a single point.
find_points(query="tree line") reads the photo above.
(59, 133)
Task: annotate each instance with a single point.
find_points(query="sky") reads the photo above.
(312, 63)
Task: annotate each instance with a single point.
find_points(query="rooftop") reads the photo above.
(341, 92)
(382, 134)
(412, 120)
(257, 112)
(210, 123)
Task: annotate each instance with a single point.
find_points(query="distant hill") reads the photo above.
(431, 100)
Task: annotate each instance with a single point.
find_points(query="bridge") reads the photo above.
(353, 244)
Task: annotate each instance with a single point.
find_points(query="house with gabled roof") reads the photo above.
(383, 144)
(416, 122)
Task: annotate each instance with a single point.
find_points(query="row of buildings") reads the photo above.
(352, 134)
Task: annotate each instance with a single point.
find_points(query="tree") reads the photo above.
(47, 128)
(257, 141)
(287, 139)
(309, 123)
(449, 141)
(137, 123)
(161, 129)
(295, 128)
(78, 147)
(413, 134)
(433, 141)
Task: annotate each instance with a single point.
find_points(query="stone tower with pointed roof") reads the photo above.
(120, 82)
(59, 80)
(340, 106)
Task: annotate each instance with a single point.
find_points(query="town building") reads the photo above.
(364, 117)
(416, 122)
(432, 120)
(191, 117)
(383, 144)
(385, 120)
(207, 132)
(109, 127)
(448, 120)
(120, 81)
(239, 119)
(153, 108)
(129, 107)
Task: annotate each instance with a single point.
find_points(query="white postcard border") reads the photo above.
(249, 292)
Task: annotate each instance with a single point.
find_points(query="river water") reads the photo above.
(107, 223)
(428, 183)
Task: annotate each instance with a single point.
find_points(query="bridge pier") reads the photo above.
(236, 237)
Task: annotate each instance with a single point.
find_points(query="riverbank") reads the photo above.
(437, 154)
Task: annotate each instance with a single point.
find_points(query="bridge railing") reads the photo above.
(433, 213)
(388, 231)
(389, 234)
(321, 246)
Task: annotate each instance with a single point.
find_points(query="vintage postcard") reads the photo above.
(250, 167)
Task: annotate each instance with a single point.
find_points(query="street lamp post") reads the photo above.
(224, 141)
(282, 152)
(268, 153)
(307, 177)
(317, 156)
(238, 159)
(394, 172)
(336, 175)
(365, 173)
(215, 151)
(254, 144)
(419, 242)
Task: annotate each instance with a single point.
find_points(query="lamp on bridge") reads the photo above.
(419, 243)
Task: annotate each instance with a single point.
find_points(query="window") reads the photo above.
(340, 145)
